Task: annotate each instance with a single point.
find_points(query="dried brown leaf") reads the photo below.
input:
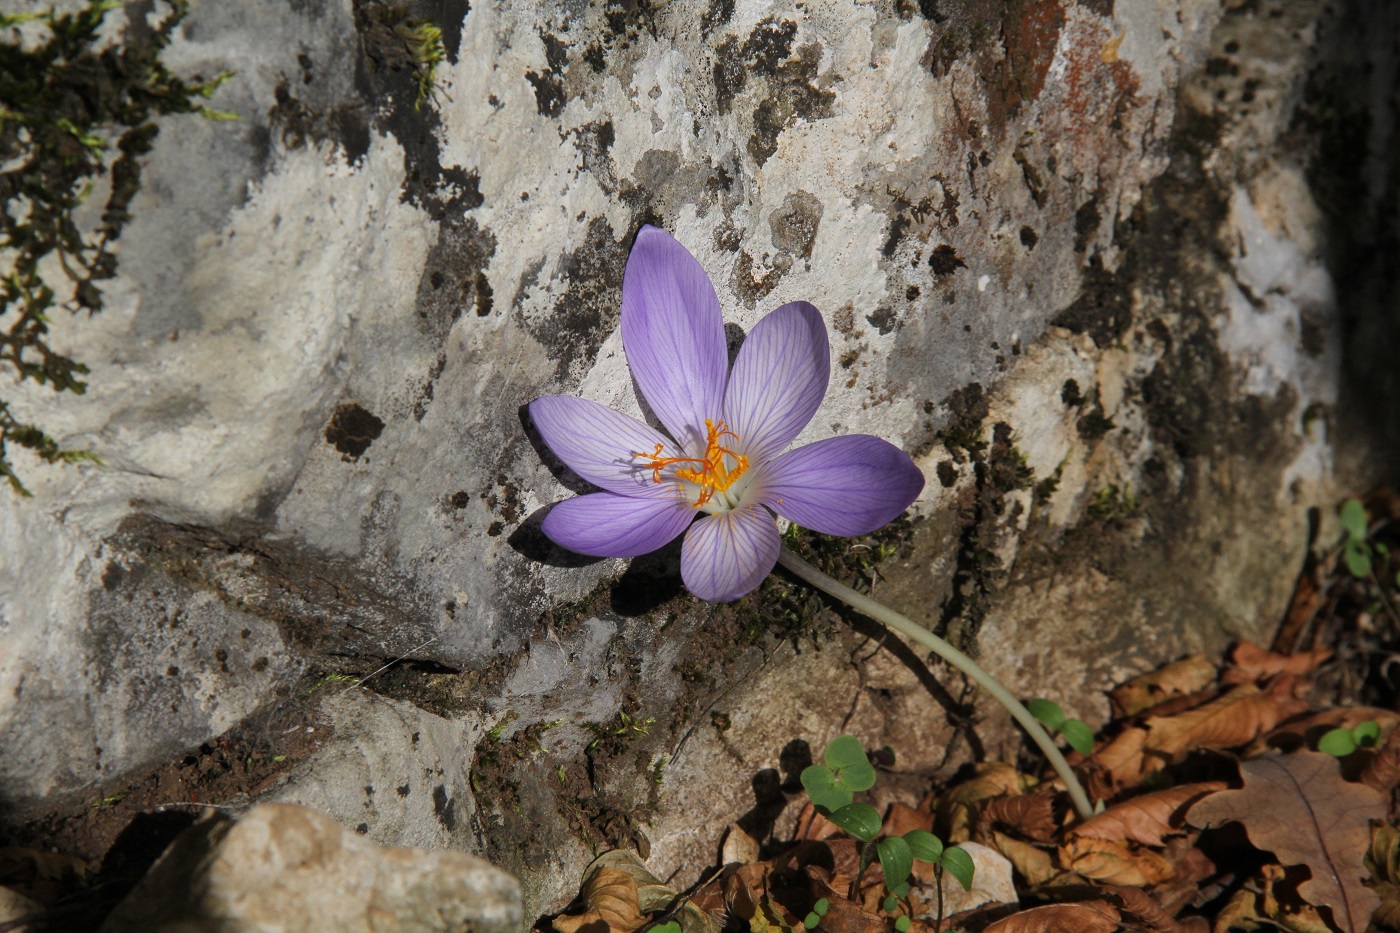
(1280, 904)
(1306, 729)
(1079, 917)
(1032, 863)
(1388, 914)
(1299, 807)
(958, 807)
(1140, 907)
(609, 897)
(1149, 818)
(1114, 862)
(1121, 762)
(1028, 815)
(1250, 663)
(20, 865)
(1232, 720)
(1383, 862)
(1179, 678)
(1382, 770)
(1241, 912)
(738, 847)
(902, 818)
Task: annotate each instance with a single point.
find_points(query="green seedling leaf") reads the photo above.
(958, 863)
(844, 751)
(1367, 733)
(827, 794)
(670, 926)
(1353, 516)
(846, 756)
(821, 907)
(811, 920)
(895, 859)
(1381, 549)
(858, 819)
(1048, 712)
(889, 904)
(1079, 736)
(902, 925)
(1338, 743)
(1358, 558)
(924, 845)
(901, 889)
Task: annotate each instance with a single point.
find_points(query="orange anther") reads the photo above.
(710, 472)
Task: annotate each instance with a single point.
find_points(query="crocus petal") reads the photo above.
(597, 443)
(673, 334)
(840, 486)
(604, 525)
(778, 381)
(728, 554)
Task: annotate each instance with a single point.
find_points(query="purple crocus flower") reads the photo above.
(724, 460)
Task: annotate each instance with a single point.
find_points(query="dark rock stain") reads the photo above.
(944, 261)
(795, 223)
(716, 15)
(1103, 309)
(352, 429)
(883, 319)
(580, 319)
(445, 808)
(1029, 238)
(454, 277)
(549, 84)
(767, 55)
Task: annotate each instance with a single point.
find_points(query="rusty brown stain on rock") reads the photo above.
(352, 429)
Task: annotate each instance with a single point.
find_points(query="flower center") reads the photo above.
(710, 472)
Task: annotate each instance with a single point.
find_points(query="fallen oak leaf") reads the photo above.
(1149, 818)
(1299, 807)
(1077, 917)
(1178, 678)
(1250, 663)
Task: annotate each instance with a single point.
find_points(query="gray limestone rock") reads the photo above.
(287, 868)
(1079, 258)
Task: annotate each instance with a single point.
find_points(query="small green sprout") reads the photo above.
(846, 770)
(818, 911)
(1074, 731)
(1110, 502)
(1341, 742)
(1357, 550)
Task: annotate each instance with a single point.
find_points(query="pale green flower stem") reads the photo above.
(906, 627)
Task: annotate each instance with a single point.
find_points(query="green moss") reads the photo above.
(1111, 503)
(71, 112)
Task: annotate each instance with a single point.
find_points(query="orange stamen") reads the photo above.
(710, 472)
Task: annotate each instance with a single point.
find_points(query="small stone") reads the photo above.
(282, 867)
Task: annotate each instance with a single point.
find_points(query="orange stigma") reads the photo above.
(710, 472)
